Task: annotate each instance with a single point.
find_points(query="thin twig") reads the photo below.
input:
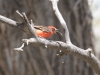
(20, 48)
(30, 26)
(19, 13)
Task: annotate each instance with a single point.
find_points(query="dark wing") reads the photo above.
(43, 28)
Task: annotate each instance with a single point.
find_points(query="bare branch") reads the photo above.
(8, 21)
(15, 24)
(61, 20)
(24, 26)
(72, 49)
(19, 13)
(85, 55)
(20, 48)
(30, 26)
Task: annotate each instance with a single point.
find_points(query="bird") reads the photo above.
(45, 31)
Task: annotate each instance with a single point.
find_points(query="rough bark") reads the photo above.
(36, 61)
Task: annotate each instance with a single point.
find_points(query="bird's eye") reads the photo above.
(53, 29)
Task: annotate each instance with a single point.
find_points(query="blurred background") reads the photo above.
(95, 9)
(83, 20)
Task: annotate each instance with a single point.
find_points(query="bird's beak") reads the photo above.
(57, 31)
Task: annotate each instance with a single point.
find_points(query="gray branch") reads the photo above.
(30, 26)
(61, 20)
(72, 49)
(68, 48)
(22, 26)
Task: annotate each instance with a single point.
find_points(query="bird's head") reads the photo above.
(55, 30)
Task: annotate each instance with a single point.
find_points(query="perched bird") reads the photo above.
(45, 31)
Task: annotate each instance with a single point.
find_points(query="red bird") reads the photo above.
(45, 32)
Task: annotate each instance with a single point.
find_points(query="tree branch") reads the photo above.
(81, 53)
(22, 26)
(30, 26)
(61, 20)
(85, 55)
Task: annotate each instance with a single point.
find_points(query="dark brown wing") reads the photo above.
(43, 28)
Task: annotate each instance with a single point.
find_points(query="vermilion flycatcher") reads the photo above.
(45, 32)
